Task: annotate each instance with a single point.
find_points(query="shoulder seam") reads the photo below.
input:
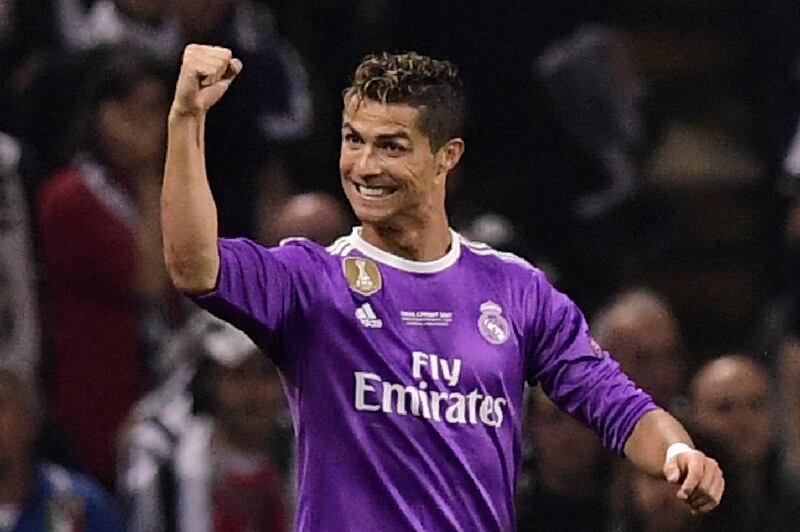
(484, 250)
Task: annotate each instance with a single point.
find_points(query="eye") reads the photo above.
(352, 138)
(392, 148)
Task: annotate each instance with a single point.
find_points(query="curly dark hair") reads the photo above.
(431, 85)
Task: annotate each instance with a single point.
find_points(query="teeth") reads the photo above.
(373, 192)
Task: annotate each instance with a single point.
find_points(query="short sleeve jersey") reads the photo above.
(405, 379)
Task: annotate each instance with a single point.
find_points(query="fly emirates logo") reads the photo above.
(376, 395)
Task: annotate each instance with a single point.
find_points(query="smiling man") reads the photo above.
(404, 348)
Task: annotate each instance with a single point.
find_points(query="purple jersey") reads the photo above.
(405, 379)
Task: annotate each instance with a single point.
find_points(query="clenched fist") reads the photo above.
(206, 73)
(700, 477)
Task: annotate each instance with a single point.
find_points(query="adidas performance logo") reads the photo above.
(367, 317)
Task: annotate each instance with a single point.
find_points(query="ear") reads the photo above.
(448, 155)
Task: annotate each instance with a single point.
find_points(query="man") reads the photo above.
(641, 331)
(34, 495)
(404, 348)
(98, 226)
(731, 405)
(561, 491)
(19, 325)
(317, 216)
(207, 452)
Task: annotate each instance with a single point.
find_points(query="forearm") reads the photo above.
(647, 445)
(188, 212)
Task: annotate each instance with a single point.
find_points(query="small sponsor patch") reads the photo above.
(363, 275)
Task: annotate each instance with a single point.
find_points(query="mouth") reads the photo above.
(372, 192)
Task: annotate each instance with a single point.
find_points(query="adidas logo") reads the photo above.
(367, 317)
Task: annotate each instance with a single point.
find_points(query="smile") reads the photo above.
(374, 192)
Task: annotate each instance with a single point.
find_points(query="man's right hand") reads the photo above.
(206, 73)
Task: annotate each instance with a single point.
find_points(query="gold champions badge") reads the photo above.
(362, 275)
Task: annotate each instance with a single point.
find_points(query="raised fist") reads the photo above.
(206, 73)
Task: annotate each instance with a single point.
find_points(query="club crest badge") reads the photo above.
(492, 325)
(363, 275)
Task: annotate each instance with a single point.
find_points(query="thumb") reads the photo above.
(671, 471)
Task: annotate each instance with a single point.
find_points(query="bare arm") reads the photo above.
(699, 476)
(188, 211)
(653, 434)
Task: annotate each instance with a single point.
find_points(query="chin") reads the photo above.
(371, 217)
(371, 214)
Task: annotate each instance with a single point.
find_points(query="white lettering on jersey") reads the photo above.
(373, 394)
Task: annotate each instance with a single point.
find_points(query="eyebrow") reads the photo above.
(399, 134)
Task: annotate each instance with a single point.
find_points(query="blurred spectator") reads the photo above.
(317, 216)
(641, 332)
(44, 35)
(209, 452)
(596, 93)
(267, 108)
(789, 389)
(564, 484)
(34, 495)
(639, 329)
(147, 25)
(100, 239)
(654, 507)
(591, 197)
(732, 405)
(19, 314)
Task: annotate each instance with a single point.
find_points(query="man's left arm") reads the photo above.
(661, 447)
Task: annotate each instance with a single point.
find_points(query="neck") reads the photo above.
(16, 481)
(421, 241)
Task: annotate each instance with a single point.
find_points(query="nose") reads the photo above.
(366, 164)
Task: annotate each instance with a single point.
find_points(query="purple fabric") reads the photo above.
(407, 402)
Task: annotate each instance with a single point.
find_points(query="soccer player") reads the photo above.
(404, 348)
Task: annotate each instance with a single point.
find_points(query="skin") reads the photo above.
(730, 399)
(642, 335)
(551, 431)
(130, 131)
(382, 146)
(658, 509)
(314, 215)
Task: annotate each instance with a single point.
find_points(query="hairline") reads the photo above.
(421, 108)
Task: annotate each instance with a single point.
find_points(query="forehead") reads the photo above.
(730, 379)
(370, 117)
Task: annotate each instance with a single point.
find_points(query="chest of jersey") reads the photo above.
(441, 347)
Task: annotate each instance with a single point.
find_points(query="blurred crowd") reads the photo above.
(124, 407)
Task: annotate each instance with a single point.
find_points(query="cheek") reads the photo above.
(347, 160)
(418, 173)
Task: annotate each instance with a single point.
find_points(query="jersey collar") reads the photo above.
(400, 263)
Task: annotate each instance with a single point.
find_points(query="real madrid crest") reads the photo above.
(363, 275)
(492, 325)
